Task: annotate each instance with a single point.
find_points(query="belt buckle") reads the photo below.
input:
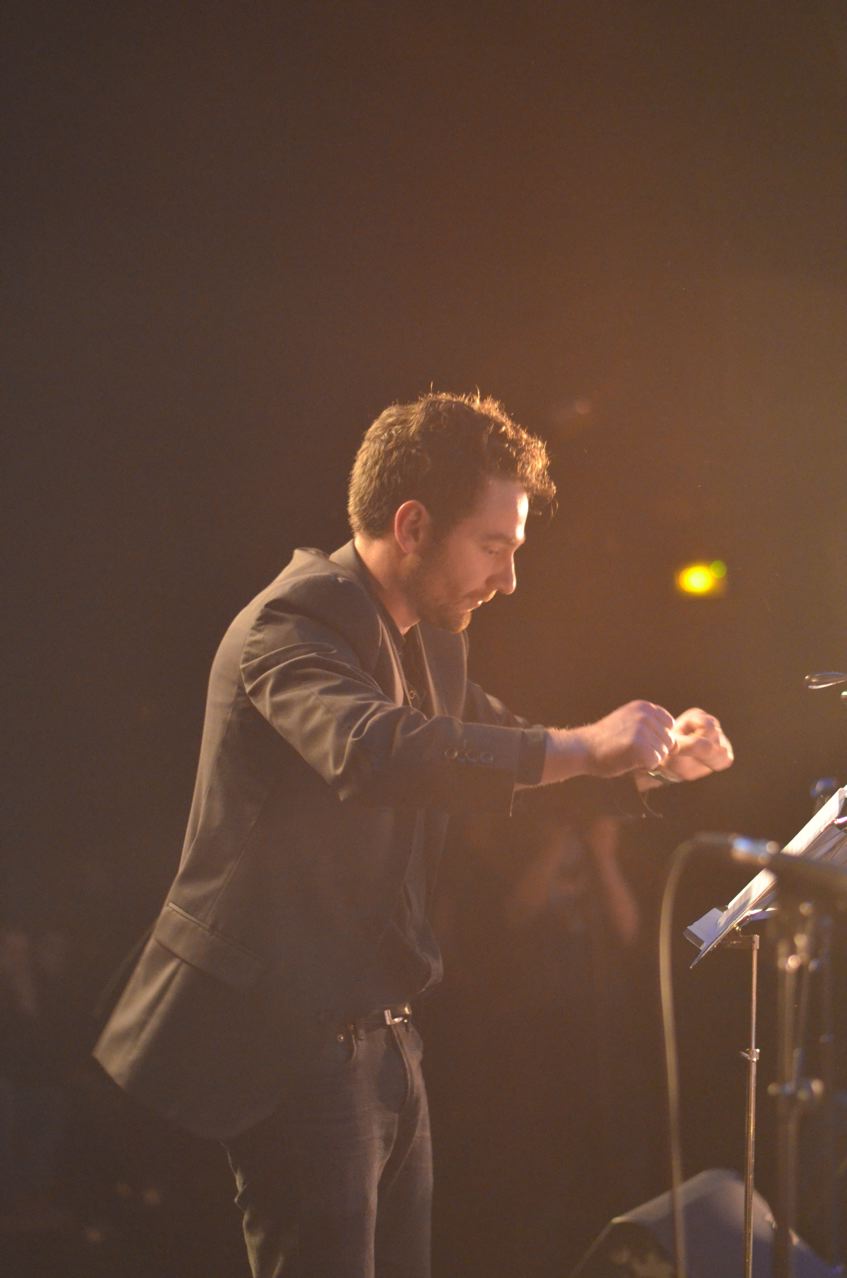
(402, 1019)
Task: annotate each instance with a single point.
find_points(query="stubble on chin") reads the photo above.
(456, 623)
(443, 617)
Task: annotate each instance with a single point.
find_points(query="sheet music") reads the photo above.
(820, 840)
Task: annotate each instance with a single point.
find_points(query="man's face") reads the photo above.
(476, 559)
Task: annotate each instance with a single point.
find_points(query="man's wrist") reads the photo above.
(654, 778)
(566, 755)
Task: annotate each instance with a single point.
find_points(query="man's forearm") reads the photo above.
(566, 755)
(636, 738)
(640, 740)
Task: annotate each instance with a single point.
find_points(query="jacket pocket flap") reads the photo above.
(196, 943)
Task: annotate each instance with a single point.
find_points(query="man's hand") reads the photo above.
(702, 747)
(637, 737)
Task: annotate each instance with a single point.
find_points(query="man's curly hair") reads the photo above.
(440, 450)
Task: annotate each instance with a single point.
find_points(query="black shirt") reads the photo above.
(408, 959)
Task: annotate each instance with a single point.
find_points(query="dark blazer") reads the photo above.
(316, 779)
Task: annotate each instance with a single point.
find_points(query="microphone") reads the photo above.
(825, 679)
(816, 878)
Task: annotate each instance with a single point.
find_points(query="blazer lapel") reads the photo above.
(443, 658)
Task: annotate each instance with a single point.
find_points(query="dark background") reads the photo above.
(235, 232)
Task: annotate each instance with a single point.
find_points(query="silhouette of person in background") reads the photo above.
(548, 1143)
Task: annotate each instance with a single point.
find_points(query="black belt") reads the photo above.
(398, 1014)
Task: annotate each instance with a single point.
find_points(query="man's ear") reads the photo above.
(412, 526)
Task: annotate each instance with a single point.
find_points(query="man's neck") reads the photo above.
(381, 560)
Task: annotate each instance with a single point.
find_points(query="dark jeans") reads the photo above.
(338, 1182)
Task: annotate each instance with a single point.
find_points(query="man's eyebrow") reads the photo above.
(504, 538)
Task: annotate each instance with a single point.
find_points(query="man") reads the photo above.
(271, 1007)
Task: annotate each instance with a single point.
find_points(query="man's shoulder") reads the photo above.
(312, 566)
(316, 585)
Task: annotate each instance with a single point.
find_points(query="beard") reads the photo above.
(430, 594)
(447, 616)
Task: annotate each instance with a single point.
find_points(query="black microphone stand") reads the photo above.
(807, 891)
(820, 792)
(804, 926)
(797, 928)
(835, 1248)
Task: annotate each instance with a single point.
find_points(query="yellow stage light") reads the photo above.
(702, 579)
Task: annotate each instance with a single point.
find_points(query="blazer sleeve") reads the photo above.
(481, 707)
(307, 667)
(581, 798)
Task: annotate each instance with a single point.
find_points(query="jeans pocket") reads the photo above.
(336, 1053)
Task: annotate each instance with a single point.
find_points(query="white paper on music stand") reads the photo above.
(819, 840)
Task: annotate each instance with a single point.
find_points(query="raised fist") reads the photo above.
(636, 737)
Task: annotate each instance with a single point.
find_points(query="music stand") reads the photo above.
(823, 839)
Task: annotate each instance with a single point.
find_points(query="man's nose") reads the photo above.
(506, 580)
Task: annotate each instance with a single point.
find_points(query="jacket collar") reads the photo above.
(348, 558)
